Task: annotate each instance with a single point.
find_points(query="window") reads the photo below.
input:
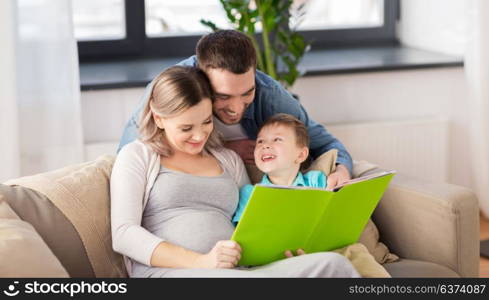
(138, 28)
(170, 18)
(99, 20)
(341, 14)
(334, 23)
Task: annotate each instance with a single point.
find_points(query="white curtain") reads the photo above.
(40, 112)
(477, 70)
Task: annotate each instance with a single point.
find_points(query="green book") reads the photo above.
(280, 218)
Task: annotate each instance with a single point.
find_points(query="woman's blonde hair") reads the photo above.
(175, 90)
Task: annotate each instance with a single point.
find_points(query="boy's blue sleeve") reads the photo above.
(244, 196)
(316, 179)
(322, 181)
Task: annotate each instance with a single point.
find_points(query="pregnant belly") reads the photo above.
(196, 231)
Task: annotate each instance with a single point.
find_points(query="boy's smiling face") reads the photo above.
(277, 151)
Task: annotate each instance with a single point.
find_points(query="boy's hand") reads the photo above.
(244, 148)
(224, 255)
(339, 176)
(289, 253)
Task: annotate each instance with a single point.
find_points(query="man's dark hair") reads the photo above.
(230, 50)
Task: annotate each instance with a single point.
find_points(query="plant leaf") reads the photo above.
(209, 24)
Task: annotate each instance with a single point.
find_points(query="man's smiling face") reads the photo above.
(233, 93)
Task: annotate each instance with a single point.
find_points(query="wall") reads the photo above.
(105, 112)
(437, 25)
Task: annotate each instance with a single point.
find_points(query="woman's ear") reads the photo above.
(158, 121)
(303, 155)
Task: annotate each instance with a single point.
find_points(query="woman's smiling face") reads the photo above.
(188, 131)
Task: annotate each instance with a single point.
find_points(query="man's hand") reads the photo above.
(289, 253)
(338, 177)
(224, 255)
(244, 148)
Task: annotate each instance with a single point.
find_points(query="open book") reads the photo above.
(279, 218)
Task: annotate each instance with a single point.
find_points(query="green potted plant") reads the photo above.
(279, 46)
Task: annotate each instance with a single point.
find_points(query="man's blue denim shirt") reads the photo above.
(270, 98)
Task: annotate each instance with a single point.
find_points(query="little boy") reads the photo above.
(282, 145)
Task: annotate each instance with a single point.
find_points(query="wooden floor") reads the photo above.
(484, 262)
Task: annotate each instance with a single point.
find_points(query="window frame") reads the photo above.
(131, 45)
(138, 45)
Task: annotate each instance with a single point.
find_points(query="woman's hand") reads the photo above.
(224, 255)
(289, 253)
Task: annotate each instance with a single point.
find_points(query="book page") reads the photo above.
(290, 187)
(336, 188)
(364, 178)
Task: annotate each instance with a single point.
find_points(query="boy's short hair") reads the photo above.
(230, 50)
(300, 130)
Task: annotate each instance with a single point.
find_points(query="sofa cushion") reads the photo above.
(81, 193)
(52, 225)
(417, 268)
(23, 252)
(325, 163)
(363, 261)
(370, 238)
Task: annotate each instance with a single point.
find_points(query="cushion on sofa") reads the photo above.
(370, 238)
(325, 163)
(52, 225)
(363, 261)
(23, 252)
(81, 193)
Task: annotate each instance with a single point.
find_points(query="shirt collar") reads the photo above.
(299, 180)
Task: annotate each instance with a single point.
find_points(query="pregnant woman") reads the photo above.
(174, 192)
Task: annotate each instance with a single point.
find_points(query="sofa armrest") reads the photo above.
(434, 222)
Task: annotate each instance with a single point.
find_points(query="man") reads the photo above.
(245, 98)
